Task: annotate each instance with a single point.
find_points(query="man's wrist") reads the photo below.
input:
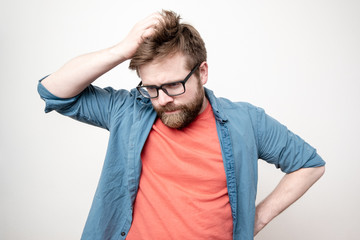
(117, 53)
(262, 217)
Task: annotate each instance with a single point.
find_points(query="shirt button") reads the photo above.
(123, 234)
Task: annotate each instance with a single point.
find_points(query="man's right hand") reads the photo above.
(80, 72)
(142, 30)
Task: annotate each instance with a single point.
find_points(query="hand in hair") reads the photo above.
(141, 30)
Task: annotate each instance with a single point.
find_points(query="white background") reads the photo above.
(300, 60)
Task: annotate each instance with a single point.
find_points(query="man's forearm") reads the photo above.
(81, 71)
(291, 187)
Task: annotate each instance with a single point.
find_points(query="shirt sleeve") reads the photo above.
(93, 106)
(283, 148)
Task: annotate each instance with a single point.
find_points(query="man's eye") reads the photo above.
(151, 89)
(173, 85)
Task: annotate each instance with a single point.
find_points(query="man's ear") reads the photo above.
(203, 72)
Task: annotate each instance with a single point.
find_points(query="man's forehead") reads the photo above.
(160, 72)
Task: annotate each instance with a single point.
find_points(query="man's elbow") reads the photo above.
(321, 170)
(317, 172)
(311, 174)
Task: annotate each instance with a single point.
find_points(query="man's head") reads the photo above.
(166, 57)
(170, 37)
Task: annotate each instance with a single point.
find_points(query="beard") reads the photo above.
(186, 113)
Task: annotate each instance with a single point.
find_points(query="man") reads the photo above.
(181, 163)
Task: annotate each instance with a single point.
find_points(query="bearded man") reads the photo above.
(181, 163)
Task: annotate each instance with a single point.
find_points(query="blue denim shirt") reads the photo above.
(245, 132)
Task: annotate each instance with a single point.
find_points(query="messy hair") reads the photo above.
(170, 37)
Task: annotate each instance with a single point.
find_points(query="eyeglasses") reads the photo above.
(171, 89)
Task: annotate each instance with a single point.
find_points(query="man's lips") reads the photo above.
(171, 112)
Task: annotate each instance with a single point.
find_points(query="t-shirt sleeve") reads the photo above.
(283, 148)
(94, 105)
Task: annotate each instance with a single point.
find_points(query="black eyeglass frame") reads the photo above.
(165, 84)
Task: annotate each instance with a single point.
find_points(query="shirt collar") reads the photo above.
(216, 106)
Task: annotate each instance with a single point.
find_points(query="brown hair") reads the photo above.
(170, 37)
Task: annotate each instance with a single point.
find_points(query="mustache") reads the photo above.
(169, 108)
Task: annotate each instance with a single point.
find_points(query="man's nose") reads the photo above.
(163, 98)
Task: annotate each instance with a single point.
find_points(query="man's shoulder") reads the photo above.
(225, 103)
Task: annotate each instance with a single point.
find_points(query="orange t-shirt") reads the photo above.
(182, 191)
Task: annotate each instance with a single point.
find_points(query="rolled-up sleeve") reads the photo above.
(283, 148)
(93, 106)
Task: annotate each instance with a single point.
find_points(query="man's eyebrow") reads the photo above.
(176, 81)
(153, 85)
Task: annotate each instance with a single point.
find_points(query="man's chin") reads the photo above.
(173, 120)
